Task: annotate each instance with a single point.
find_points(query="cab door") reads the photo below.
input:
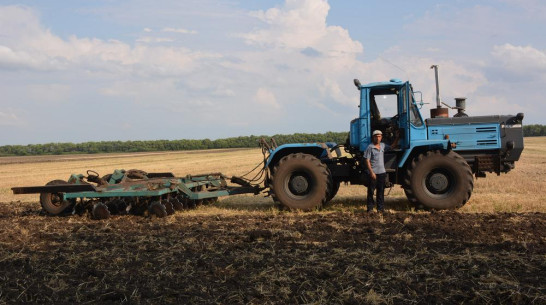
(364, 120)
(403, 116)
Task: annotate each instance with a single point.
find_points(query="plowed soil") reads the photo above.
(201, 257)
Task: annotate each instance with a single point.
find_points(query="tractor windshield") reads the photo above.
(383, 106)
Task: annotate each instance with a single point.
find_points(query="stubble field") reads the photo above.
(244, 250)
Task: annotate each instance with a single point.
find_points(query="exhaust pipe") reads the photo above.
(438, 112)
(435, 67)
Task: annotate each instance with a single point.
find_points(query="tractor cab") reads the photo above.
(391, 108)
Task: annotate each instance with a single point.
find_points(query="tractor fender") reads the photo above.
(319, 150)
(422, 146)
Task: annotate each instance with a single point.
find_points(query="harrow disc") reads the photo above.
(158, 209)
(168, 207)
(177, 205)
(123, 207)
(100, 211)
(113, 206)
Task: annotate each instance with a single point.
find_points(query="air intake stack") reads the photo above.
(460, 105)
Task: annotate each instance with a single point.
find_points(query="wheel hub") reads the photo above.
(56, 199)
(438, 183)
(298, 185)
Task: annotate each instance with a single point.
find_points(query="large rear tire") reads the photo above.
(439, 180)
(333, 190)
(300, 182)
(51, 202)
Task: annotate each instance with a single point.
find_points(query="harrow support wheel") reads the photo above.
(439, 180)
(301, 182)
(51, 202)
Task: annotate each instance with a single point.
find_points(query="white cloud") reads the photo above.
(520, 59)
(27, 45)
(180, 31)
(302, 25)
(9, 118)
(140, 91)
(303, 58)
(56, 93)
(149, 39)
(266, 98)
(14, 60)
(330, 88)
(488, 104)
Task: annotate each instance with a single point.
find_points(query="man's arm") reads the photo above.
(367, 156)
(369, 164)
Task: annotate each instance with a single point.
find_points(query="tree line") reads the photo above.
(171, 145)
(534, 130)
(164, 145)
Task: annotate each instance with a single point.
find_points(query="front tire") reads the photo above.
(439, 180)
(300, 182)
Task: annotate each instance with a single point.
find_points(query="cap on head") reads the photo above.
(377, 132)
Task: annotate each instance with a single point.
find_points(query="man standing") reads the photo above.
(375, 162)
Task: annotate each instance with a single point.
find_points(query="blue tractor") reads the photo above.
(435, 163)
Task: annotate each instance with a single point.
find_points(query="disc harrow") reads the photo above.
(133, 192)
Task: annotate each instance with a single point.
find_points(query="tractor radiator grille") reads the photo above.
(486, 129)
(486, 142)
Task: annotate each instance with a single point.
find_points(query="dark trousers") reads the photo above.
(377, 185)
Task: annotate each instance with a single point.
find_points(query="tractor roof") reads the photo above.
(392, 82)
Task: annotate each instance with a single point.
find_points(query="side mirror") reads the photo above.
(357, 84)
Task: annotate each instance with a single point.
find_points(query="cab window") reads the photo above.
(414, 116)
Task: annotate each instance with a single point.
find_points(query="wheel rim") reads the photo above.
(56, 200)
(299, 185)
(439, 183)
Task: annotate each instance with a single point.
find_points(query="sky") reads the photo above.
(103, 70)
